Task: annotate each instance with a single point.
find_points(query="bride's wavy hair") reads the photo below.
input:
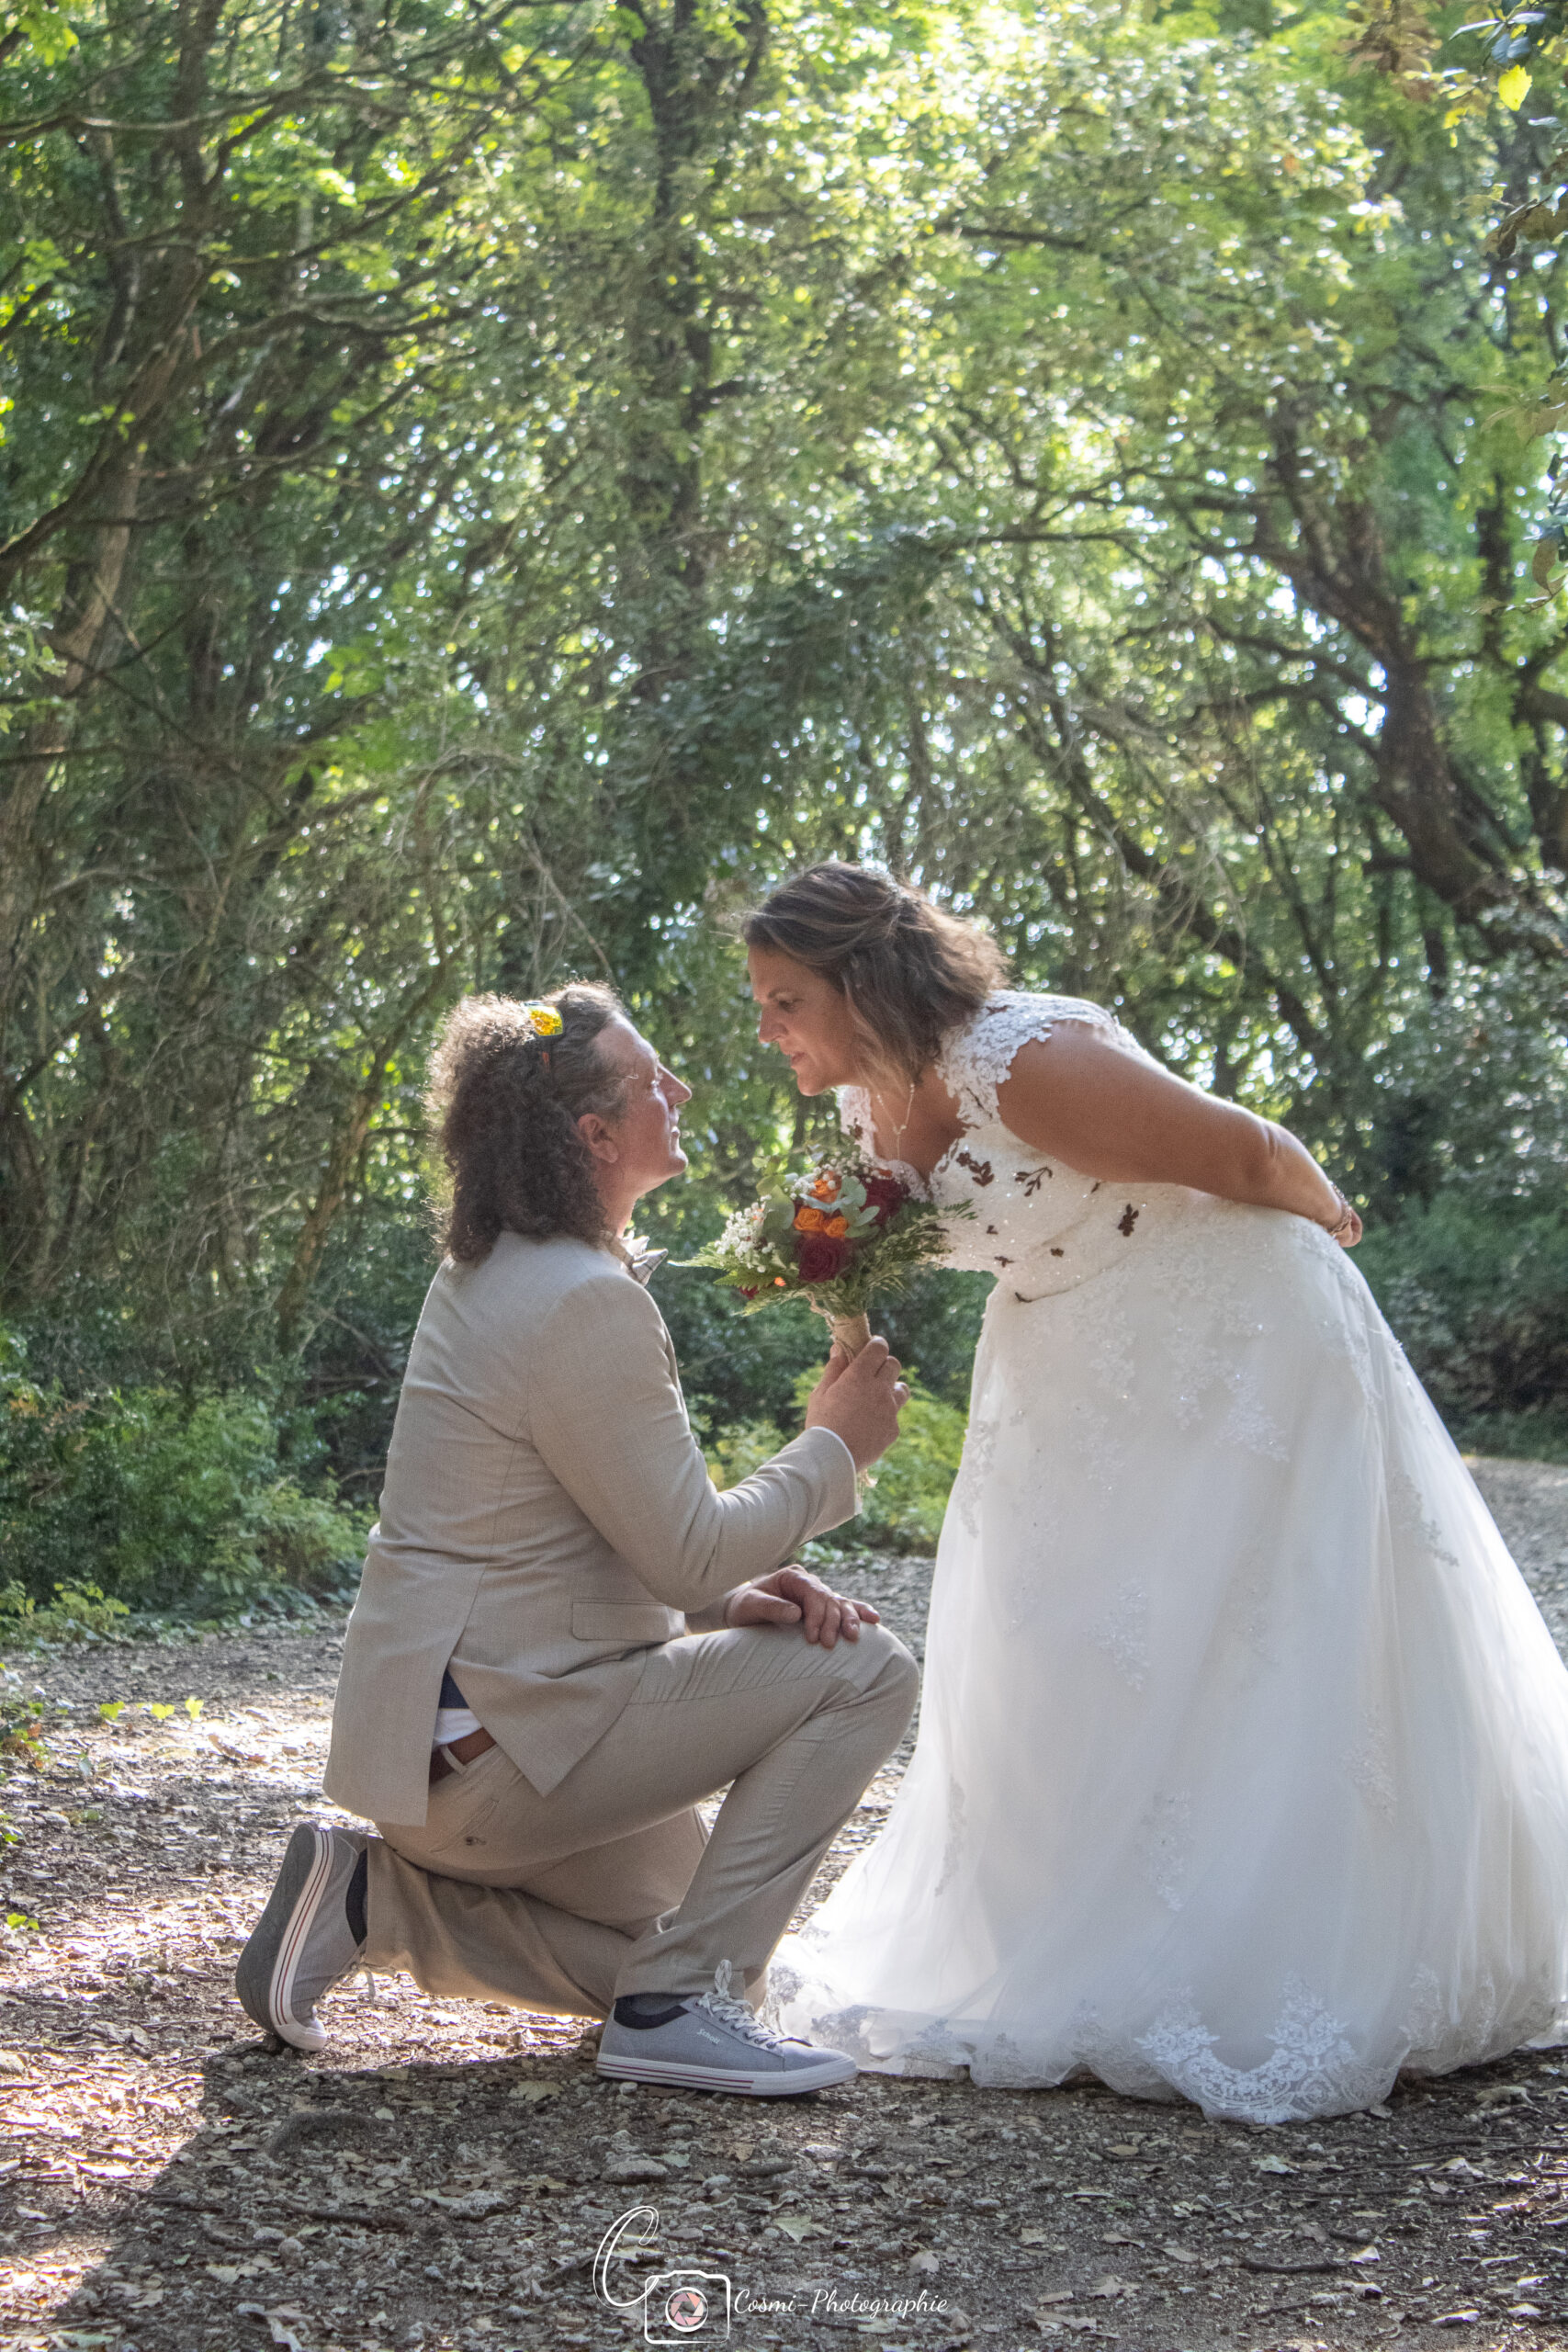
(907, 972)
(502, 1105)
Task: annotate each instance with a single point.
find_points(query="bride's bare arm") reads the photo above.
(1080, 1097)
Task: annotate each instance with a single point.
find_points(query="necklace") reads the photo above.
(898, 1130)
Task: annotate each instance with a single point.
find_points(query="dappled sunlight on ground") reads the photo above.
(442, 2174)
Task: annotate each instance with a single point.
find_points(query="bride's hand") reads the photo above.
(794, 1595)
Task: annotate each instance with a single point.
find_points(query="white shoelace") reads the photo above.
(742, 2020)
(738, 2015)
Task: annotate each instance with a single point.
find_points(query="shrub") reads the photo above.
(903, 1504)
(1477, 1292)
(1466, 1169)
(158, 1502)
(732, 1454)
(76, 1613)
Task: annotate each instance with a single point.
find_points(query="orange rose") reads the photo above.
(826, 1187)
(808, 1220)
(837, 1225)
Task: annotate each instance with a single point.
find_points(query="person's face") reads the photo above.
(805, 1017)
(640, 1145)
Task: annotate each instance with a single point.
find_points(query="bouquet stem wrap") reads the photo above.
(851, 1331)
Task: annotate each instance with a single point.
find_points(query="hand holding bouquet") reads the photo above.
(841, 1233)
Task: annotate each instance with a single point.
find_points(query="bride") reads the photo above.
(1243, 1762)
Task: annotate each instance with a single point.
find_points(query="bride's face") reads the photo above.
(805, 1017)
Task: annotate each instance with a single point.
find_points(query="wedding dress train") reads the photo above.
(1243, 1762)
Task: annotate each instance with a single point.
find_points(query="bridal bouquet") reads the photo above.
(838, 1235)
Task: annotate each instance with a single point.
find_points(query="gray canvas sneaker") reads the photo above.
(710, 2041)
(304, 1943)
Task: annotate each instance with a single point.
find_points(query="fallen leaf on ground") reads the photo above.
(798, 2226)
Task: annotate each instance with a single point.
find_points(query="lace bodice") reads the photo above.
(1039, 1222)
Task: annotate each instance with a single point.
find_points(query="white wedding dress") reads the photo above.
(1243, 1762)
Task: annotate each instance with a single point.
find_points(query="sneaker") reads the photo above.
(713, 2042)
(302, 1945)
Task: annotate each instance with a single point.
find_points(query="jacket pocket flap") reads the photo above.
(622, 1620)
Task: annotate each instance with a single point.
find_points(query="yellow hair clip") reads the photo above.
(545, 1020)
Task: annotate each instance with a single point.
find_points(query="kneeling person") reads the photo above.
(565, 1638)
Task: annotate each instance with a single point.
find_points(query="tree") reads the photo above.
(490, 486)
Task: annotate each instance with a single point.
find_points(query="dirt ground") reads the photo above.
(442, 2176)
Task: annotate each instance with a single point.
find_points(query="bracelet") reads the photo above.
(1343, 1220)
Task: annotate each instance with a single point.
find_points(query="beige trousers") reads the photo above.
(607, 1885)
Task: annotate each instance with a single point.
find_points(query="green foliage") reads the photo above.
(47, 28)
(1466, 1121)
(733, 1454)
(737, 1367)
(488, 487)
(476, 639)
(23, 1732)
(169, 1502)
(72, 1614)
(902, 1505)
(1479, 1296)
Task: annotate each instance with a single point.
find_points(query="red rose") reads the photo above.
(820, 1258)
(885, 1196)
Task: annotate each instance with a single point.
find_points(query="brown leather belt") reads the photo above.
(472, 1744)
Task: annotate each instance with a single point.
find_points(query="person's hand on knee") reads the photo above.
(793, 1595)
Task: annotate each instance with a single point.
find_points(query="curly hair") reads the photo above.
(502, 1105)
(908, 973)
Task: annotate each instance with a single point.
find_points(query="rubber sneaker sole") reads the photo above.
(789, 2082)
(265, 1977)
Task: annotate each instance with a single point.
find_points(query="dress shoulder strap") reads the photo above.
(977, 1056)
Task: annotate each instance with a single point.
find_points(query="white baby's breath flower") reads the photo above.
(741, 1231)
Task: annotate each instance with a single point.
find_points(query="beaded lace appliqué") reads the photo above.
(1313, 2069)
(974, 1061)
(1122, 1633)
(1165, 1847)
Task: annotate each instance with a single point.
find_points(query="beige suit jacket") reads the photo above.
(547, 1520)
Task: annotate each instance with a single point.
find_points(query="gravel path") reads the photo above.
(438, 2177)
